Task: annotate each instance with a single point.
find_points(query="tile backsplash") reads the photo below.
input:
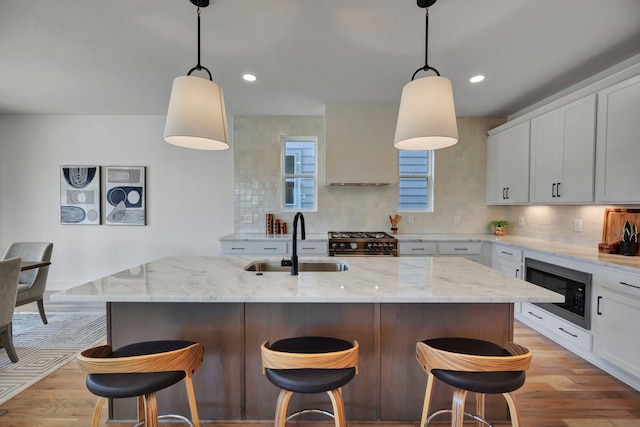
(459, 182)
(460, 175)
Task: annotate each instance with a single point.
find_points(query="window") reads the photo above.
(299, 173)
(416, 180)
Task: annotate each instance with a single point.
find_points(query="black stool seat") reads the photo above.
(310, 365)
(478, 382)
(131, 385)
(310, 380)
(474, 365)
(140, 370)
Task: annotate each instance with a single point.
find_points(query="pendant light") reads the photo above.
(196, 117)
(427, 116)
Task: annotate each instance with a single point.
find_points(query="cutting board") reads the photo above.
(614, 219)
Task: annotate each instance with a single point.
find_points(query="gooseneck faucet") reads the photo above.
(294, 243)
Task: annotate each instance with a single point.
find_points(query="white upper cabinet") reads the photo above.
(359, 144)
(618, 143)
(508, 166)
(563, 153)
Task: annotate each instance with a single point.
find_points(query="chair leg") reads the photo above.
(457, 407)
(191, 396)
(338, 407)
(151, 410)
(427, 399)
(142, 409)
(480, 408)
(97, 411)
(513, 411)
(281, 408)
(41, 310)
(6, 337)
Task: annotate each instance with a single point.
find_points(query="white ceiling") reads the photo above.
(120, 56)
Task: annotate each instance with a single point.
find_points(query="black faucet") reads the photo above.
(294, 244)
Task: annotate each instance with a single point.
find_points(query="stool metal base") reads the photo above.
(172, 416)
(449, 411)
(309, 411)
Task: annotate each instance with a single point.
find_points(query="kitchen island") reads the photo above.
(386, 303)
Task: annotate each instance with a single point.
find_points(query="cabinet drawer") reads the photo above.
(417, 248)
(312, 248)
(460, 248)
(627, 283)
(566, 332)
(509, 253)
(258, 248)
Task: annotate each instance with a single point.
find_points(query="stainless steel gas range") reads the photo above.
(362, 243)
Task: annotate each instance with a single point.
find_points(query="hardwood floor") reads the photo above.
(561, 390)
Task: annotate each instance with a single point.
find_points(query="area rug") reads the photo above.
(43, 348)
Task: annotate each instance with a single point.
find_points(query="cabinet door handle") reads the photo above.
(517, 273)
(417, 249)
(553, 190)
(628, 284)
(460, 249)
(504, 193)
(535, 315)
(237, 249)
(568, 333)
(507, 253)
(598, 308)
(507, 192)
(270, 249)
(558, 190)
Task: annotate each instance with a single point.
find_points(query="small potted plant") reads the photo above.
(629, 242)
(499, 226)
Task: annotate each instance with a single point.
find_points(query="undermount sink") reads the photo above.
(321, 266)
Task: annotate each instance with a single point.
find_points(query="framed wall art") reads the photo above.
(80, 195)
(124, 195)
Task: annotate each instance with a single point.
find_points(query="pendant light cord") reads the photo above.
(426, 48)
(198, 66)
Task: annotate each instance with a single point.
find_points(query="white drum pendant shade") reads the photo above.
(196, 117)
(427, 115)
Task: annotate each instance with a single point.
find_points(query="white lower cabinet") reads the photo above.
(312, 248)
(508, 260)
(470, 250)
(243, 247)
(617, 320)
(560, 330)
(417, 248)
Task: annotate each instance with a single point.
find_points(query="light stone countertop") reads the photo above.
(368, 280)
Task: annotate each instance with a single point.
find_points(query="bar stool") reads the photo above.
(140, 370)
(472, 365)
(310, 365)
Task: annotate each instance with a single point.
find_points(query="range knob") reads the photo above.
(334, 245)
(353, 245)
(341, 245)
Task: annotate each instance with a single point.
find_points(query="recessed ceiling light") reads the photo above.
(476, 79)
(249, 77)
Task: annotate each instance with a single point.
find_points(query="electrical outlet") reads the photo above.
(577, 225)
(248, 219)
(456, 219)
(520, 221)
(410, 219)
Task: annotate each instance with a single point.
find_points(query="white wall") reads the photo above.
(189, 192)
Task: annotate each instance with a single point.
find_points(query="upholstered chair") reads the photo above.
(32, 282)
(9, 274)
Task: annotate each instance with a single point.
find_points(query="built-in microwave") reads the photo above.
(573, 284)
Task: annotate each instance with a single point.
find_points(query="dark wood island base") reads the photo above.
(230, 386)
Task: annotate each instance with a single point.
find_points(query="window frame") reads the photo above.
(284, 176)
(429, 176)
